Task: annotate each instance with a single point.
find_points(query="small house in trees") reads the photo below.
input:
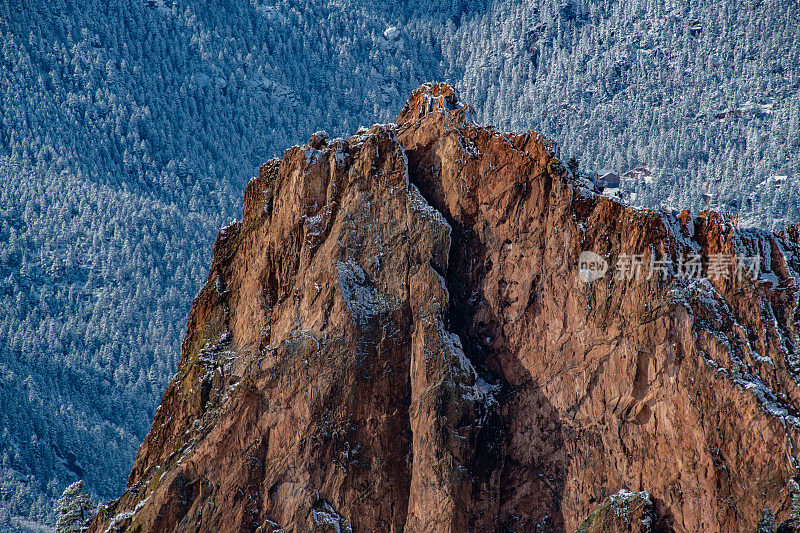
(608, 180)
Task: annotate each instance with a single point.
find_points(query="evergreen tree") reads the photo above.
(74, 509)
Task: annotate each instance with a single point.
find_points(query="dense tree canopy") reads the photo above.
(129, 128)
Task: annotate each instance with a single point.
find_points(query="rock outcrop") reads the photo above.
(397, 337)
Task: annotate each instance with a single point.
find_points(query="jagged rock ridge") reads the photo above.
(395, 337)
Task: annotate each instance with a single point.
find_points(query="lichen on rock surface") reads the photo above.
(625, 511)
(395, 337)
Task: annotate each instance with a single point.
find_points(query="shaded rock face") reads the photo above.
(395, 337)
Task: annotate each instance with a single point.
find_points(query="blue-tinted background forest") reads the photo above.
(128, 129)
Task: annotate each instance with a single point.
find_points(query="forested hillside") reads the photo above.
(128, 132)
(702, 93)
(129, 128)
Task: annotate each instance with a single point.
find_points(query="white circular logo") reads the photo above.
(591, 267)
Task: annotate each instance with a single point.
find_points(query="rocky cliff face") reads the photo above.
(396, 337)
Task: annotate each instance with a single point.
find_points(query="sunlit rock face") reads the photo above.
(399, 335)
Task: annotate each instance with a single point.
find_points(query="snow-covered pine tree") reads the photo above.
(73, 509)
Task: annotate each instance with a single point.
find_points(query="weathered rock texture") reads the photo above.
(625, 511)
(395, 338)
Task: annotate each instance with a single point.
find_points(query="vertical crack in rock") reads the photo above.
(396, 338)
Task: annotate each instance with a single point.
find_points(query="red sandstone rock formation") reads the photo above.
(396, 338)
